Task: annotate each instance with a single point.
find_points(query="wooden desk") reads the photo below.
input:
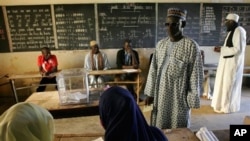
(14, 77)
(213, 67)
(50, 101)
(208, 67)
(3, 76)
(136, 82)
(179, 134)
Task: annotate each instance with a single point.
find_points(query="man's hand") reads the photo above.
(217, 48)
(42, 73)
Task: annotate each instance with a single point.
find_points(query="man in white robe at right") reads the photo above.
(228, 81)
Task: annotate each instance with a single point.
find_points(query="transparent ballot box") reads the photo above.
(73, 86)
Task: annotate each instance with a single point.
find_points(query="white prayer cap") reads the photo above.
(93, 43)
(233, 17)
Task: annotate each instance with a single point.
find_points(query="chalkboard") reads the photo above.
(4, 43)
(30, 27)
(192, 28)
(213, 15)
(75, 26)
(211, 25)
(135, 21)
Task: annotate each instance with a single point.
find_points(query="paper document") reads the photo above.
(130, 70)
(147, 108)
(98, 139)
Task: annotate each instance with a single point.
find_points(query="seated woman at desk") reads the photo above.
(47, 64)
(123, 120)
(96, 60)
(26, 122)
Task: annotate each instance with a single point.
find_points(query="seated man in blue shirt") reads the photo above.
(128, 58)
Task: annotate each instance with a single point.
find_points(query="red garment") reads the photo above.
(47, 65)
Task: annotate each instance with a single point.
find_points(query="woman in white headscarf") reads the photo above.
(26, 122)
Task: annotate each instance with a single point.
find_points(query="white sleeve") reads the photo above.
(106, 62)
(239, 41)
(87, 62)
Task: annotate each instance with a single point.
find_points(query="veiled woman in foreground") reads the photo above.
(123, 120)
(26, 122)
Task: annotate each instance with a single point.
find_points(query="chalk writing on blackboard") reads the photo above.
(75, 26)
(120, 21)
(213, 16)
(30, 27)
(210, 25)
(4, 44)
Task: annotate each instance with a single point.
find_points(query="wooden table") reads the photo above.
(14, 77)
(3, 76)
(208, 67)
(136, 82)
(179, 134)
(213, 67)
(50, 101)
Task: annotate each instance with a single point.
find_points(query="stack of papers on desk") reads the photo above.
(204, 135)
(98, 139)
(76, 97)
(130, 70)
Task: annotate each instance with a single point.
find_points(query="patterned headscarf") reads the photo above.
(26, 122)
(123, 120)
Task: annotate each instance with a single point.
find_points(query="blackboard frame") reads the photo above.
(75, 25)
(205, 34)
(4, 42)
(30, 27)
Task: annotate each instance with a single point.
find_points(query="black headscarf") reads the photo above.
(123, 120)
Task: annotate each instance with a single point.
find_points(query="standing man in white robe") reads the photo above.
(175, 76)
(228, 81)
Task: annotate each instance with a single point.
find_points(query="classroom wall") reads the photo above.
(25, 62)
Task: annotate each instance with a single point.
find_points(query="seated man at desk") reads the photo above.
(127, 58)
(96, 60)
(47, 64)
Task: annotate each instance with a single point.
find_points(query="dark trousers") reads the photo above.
(130, 87)
(46, 80)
